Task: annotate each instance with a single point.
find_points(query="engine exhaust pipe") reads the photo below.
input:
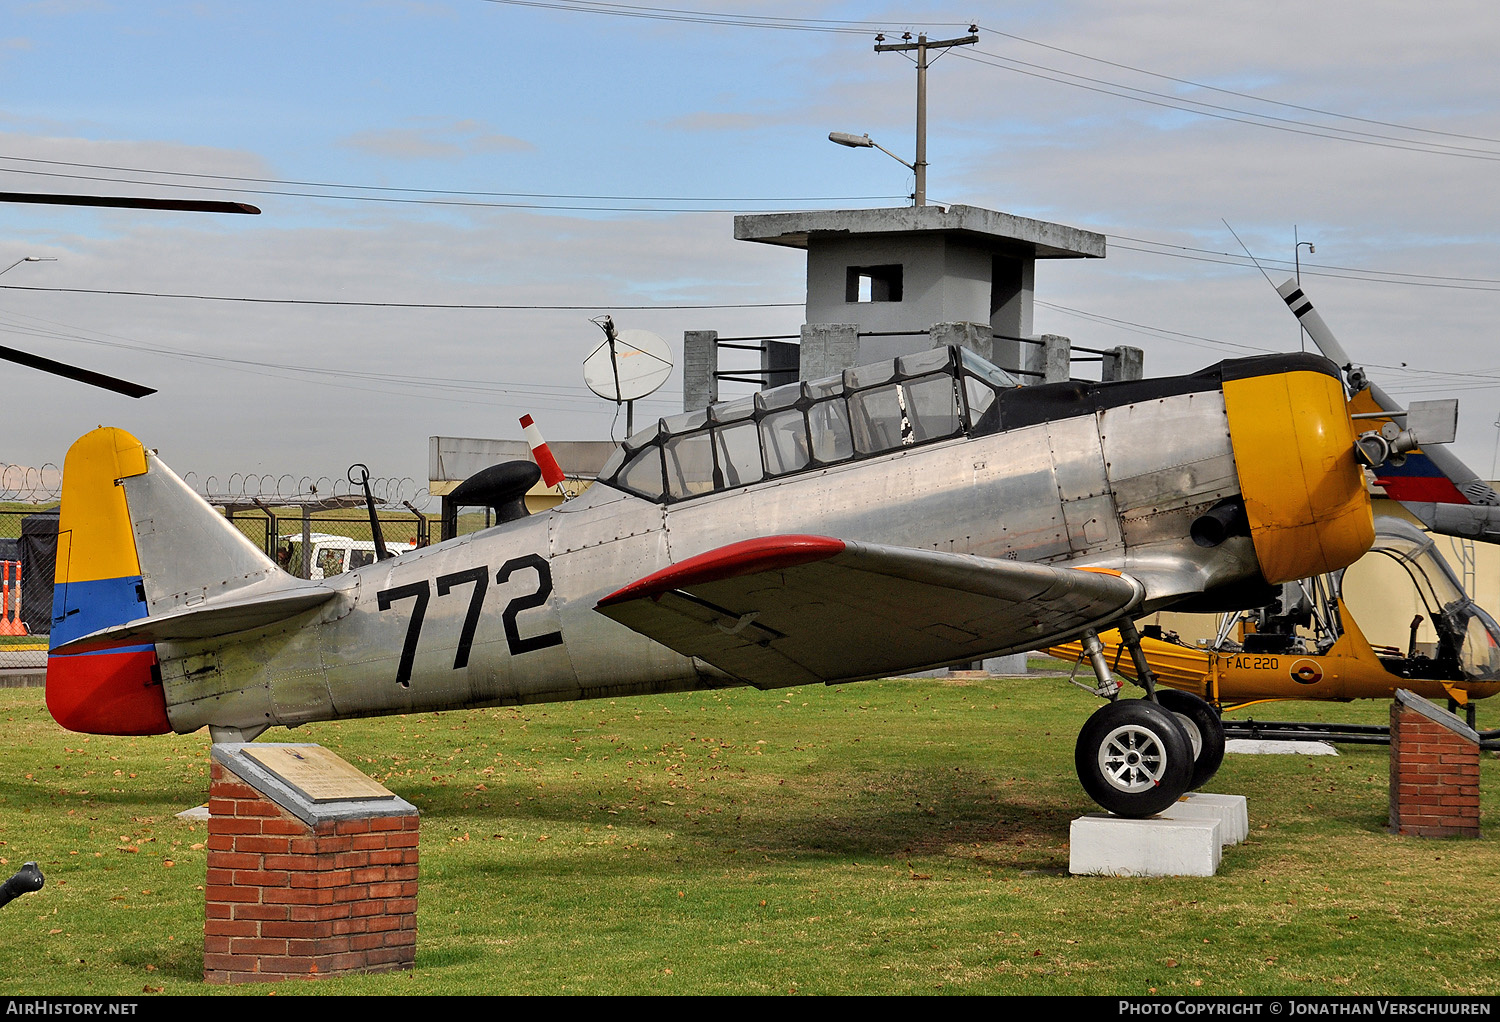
(1226, 518)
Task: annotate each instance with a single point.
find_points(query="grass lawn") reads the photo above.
(886, 837)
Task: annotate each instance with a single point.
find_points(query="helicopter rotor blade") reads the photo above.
(72, 372)
(88, 376)
(130, 202)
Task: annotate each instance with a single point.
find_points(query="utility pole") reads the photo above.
(922, 45)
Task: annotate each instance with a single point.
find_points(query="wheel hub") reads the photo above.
(1131, 758)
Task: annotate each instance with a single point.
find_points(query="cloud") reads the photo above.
(434, 138)
(706, 121)
(617, 112)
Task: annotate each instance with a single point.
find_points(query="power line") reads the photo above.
(1207, 110)
(603, 306)
(396, 189)
(1228, 259)
(540, 395)
(1173, 102)
(1232, 92)
(461, 203)
(834, 25)
(1193, 340)
(1316, 268)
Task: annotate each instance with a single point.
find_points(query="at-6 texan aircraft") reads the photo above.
(901, 516)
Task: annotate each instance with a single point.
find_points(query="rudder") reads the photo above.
(98, 583)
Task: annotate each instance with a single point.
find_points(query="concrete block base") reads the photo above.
(1231, 811)
(1105, 845)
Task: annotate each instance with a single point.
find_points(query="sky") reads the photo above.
(451, 191)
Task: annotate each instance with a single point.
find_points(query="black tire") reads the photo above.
(1133, 758)
(1204, 729)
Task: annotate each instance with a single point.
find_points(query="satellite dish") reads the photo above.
(627, 365)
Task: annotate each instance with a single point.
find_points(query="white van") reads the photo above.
(331, 554)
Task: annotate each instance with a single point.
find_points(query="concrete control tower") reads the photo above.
(888, 282)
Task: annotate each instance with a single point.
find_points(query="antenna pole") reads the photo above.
(922, 45)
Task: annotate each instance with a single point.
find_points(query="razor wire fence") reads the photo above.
(312, 527)
(268, 510)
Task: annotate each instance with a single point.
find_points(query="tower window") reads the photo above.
(873, 284)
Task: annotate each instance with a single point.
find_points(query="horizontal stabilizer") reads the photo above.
(786, 610)
(206, 620)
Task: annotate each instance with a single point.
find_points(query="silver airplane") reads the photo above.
(902, 516)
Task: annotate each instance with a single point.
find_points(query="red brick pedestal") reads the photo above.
(304, 888)
(1434, 770)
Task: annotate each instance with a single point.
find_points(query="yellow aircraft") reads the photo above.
(1307, 644)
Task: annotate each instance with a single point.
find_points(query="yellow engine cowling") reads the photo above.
(1303, 490)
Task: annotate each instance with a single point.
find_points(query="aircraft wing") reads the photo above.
(788, 610)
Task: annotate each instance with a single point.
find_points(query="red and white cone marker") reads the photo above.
(552, 475)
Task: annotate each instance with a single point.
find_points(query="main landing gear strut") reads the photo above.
(1135, 757)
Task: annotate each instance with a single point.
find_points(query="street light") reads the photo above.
(1297, 262)
(844, 138)
(29, 259)
(1296, 254)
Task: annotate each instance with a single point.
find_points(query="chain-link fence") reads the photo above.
(336, 541)
(28, 553)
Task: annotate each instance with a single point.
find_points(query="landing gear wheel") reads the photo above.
(1133, 758)
(1204, 729)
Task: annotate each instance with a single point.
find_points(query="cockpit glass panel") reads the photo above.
(690, 465)
(733, 411)
(981, 397)
(932, 407)
(1468, 638)
(931, 360)
(831, 439)
(738, 448)
(643, 436)
(816, 390)
(990, 373)
(779, 397)
(685, 422)
(876, 420)
(871, 375)
(783, 435)
(612, 464)
(1436, 584)
(865, 411)
(1481, 652)
(642, 474)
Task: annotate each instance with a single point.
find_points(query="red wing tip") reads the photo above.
(750, 557)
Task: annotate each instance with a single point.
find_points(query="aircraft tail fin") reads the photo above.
(134, 542)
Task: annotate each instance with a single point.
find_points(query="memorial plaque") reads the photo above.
(316, 773)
